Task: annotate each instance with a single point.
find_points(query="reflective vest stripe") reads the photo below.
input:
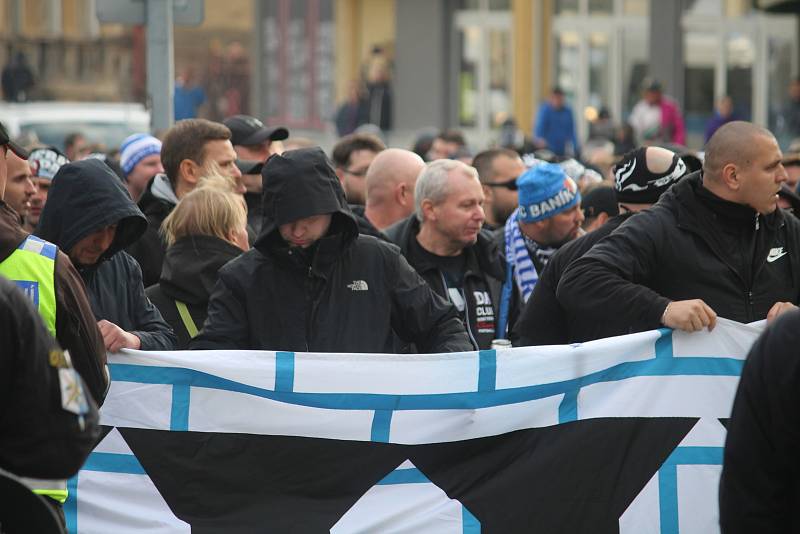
(186, 317)
(55, 489)
(32, 267)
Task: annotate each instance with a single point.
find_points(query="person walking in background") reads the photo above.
(187, 97)
(17, 79)
(205, 231)
(723, 113)
(351, 113)
(555, 125)
(657, 118)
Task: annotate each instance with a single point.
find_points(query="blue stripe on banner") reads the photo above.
(110, 462)
(568, 409)
(179, 419)
(487, 371)
(381, 426)
(284, 371)
(685, 366)
(469, 523)
(668, 481)
(695, 456)
(71, 505)
(664, 344)
(668, 498)
(404, 476)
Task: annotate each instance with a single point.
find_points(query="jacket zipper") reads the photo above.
(466, 311)
(310, 318)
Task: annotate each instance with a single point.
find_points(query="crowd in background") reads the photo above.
(234, 235)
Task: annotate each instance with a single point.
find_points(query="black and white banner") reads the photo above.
(618, 435)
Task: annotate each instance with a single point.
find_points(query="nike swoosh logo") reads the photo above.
(772, 258)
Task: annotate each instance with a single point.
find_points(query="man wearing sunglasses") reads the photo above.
(498, 169)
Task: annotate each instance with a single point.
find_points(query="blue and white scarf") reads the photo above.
(519, 259)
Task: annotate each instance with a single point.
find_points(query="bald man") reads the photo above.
(390, 182)
(714, 245)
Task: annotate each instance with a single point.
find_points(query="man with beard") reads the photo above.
(549, 215)
(498, 170)
(641, 177)
(444, 242)
(19, 185)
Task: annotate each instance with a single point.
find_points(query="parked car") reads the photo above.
(100, 122)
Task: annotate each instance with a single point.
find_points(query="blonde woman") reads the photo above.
(206, 230)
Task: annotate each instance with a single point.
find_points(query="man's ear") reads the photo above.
(189, 171)
(340, 174)
(487, 194)
(730, 177)
(428, 211)
(401, 196)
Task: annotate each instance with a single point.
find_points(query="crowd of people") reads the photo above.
(218, 236)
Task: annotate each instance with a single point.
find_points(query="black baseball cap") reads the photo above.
(249, 167)
(249, 131)
(6, 141)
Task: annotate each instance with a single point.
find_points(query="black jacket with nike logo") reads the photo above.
(345, 293)
(690, 245)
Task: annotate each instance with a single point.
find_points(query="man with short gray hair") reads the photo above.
(444, 241)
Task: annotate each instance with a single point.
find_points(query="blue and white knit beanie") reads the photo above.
(135, 148)
(544, 191)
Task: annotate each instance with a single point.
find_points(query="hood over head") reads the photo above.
(298, 184)
(84, 197)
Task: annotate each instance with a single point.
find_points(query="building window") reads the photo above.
(483, 48)
(297, 62)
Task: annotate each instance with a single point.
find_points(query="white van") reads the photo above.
(100, 122)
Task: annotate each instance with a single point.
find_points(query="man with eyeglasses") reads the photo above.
(351, 157)
(498, 169)
(444, 241)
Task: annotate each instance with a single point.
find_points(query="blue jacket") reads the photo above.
(556, 127)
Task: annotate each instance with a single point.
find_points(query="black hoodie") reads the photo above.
(86, 196)
(691, 244)
(344, 293)
(190, 272)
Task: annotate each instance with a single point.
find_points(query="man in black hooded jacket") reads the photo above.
(91, 216)
(715, 244)
(312, 283)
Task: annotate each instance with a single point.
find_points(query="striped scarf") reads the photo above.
(518, 257)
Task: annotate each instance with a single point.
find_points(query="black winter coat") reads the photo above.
(40, 439)
(149, 249)
(345, 293)
(85, 197)
(543, 320)
(690, 245)
(485, 274)
(190, 272)
(760, 485)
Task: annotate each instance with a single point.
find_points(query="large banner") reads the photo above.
(618, 435)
